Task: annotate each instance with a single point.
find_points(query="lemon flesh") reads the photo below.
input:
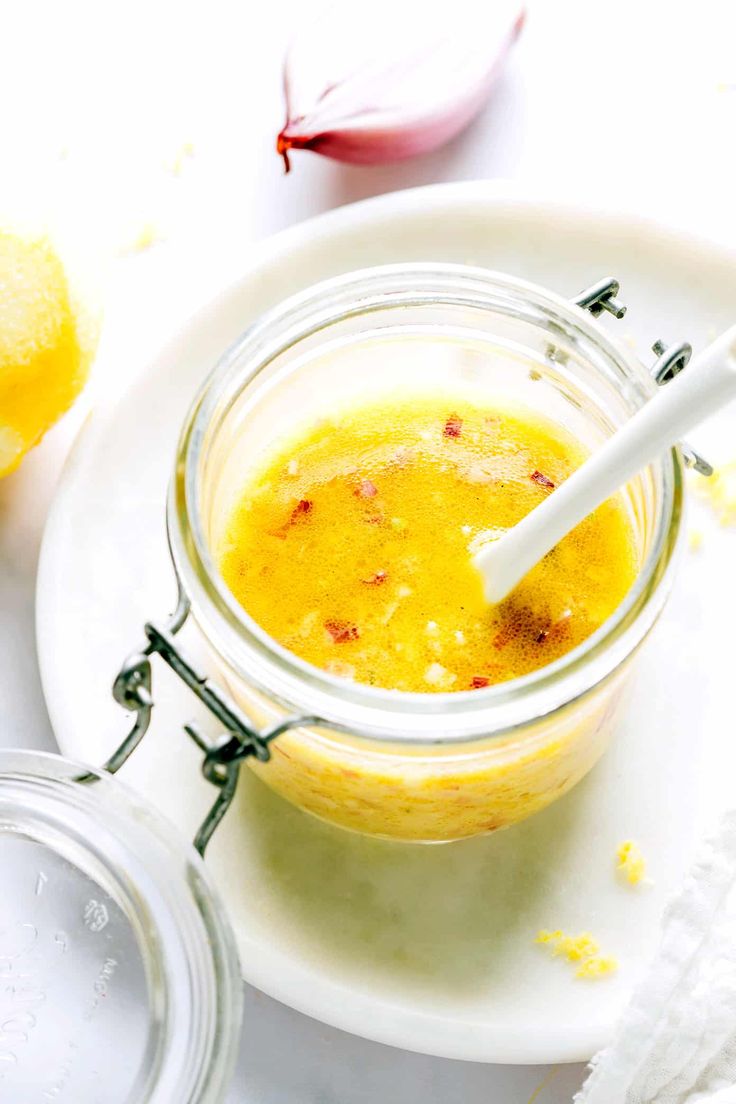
(44, 359)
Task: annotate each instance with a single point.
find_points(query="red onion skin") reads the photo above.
(367, 146)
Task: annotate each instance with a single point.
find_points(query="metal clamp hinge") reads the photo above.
(222, 757)
(671, 359)
(602, 297)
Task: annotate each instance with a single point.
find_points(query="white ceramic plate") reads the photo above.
(428, 948)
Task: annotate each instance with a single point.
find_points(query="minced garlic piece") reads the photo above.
(439, 676)
(719, 490)
(388, 613)
(307, 624)
(631, 863)
(340, 668)
(580, 949)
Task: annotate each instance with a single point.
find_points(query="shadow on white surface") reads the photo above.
(287, 1058)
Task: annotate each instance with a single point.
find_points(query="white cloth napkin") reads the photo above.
(676, 1042)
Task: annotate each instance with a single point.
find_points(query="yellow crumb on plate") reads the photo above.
(597, 966)
(572, 947)
(630, 862)
(582, 950)
(719, 491)
(695, 540)
(147, 236)
(179, 160)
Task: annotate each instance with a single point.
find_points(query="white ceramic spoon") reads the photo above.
(705, 385)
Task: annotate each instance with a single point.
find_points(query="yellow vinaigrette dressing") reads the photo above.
(351, 546)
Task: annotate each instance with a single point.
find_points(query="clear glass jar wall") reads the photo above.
(426, 767)
(119, 979)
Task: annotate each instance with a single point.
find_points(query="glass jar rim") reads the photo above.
(107, 832)
(380, 714)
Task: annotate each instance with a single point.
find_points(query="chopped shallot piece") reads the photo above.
(479, 681)
(366, 489)
(453, 426)
(542, 480)
(342, 631)
(376, 578)
(342, 670)
(402, 456)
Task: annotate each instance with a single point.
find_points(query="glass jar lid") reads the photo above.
(119, 978)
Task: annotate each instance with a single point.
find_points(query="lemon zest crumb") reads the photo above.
(597, 966)
(582, 950)
(631, 863)
(719, 491)
(146, 236)
(183, 154)
(695, 540)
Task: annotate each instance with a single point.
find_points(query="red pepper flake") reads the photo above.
(542, 480)
(373, 519)
(376, 578)
(303, 506)
(479, 681)
(366, 489)
(342, 631)
(453, 426)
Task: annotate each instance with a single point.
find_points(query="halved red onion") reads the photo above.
(385, 80)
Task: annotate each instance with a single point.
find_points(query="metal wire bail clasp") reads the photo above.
(222, 757)
(671, 359)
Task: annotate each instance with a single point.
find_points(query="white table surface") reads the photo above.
(636, 107)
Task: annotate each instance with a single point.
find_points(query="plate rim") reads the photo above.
(316, 995)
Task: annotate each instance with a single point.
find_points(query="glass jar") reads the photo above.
(119, 978)
(411, 766)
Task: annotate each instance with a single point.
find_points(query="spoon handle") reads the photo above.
(700, 390)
